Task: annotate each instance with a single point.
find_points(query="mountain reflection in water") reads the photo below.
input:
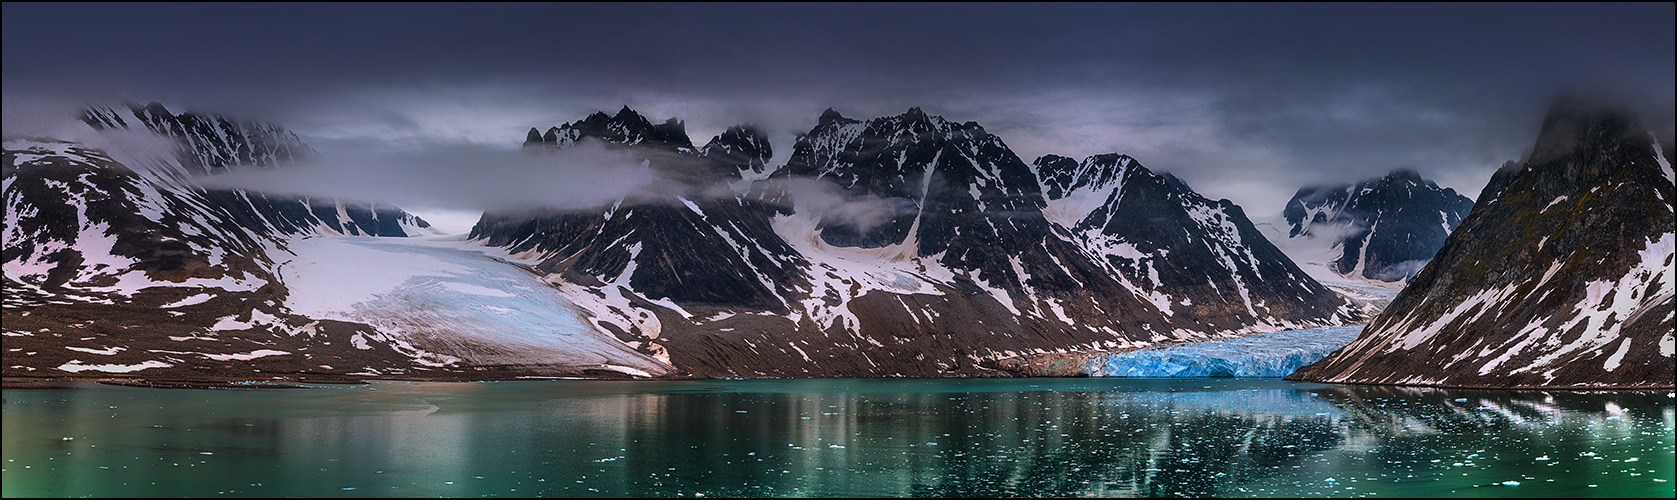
(838, 437)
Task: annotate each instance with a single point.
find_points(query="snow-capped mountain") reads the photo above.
(210, 144)
(1381, 229)
(905, 245)
(1202, 261)
(1562, 276)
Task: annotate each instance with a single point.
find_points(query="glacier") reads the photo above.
(1263, 355)
(443, 300)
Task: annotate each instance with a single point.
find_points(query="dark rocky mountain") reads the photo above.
(1201, 261)
(626, 128)
(690, 241)
(210, 144)
(905, 245)
(1562, 275)
(1381, 229)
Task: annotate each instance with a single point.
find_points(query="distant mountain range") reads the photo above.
(1379, 229)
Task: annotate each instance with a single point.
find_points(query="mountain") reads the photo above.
(113, 269)
(210, 144)
(906, 245)
(626, 127)
(1379, 229)
(1200, 260)
(1562, 275)
(119, 263)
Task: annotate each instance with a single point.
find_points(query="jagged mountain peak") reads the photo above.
(627, 127)
(916, 120)
(831, 116)
(915, 162)
(743, 151)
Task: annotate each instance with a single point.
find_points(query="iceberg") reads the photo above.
(1265, 355)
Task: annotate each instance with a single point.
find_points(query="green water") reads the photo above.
(846, 437)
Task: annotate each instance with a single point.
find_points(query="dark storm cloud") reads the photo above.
(1242, 101)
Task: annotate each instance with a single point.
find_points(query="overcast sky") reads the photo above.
(1246, 101)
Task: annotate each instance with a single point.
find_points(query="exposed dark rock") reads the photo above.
(1560, 277)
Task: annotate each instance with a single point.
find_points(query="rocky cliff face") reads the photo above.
(1381, 229)
(1562, 275)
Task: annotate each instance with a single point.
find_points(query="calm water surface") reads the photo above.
(843, 437)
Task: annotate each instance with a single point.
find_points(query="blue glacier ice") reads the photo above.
(1263, 355)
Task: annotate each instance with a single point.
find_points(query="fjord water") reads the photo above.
(837, 437)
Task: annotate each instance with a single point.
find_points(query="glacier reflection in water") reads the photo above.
(1265, 355)
(837, 437)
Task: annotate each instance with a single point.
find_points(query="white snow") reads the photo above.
(1665, 163)
(259, 353)
(193, 300)
(105, 352)
(75, 365)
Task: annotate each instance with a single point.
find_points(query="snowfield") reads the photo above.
(443, 300)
